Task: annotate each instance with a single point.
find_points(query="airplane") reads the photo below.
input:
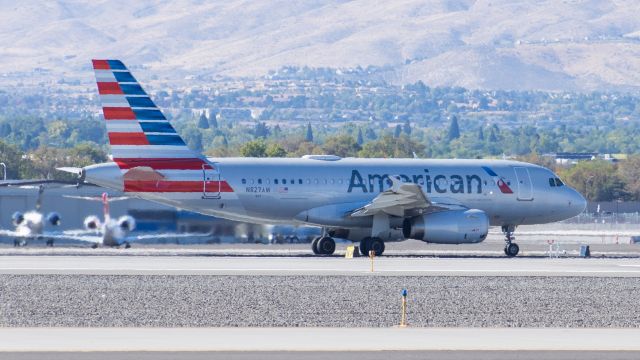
(31, 224)
(112, 232)
(370, 201)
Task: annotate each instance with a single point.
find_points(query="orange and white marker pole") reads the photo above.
(403, 319)
(372, 254)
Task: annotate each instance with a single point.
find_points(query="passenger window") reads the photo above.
(284, 181)
(244, 181)
(299, 181)
(275, 181)
(251, 181)
(268, 181)
(315, 181)
(340, 181)
(332, 181)
(552, 182)
(293, 181)
(308, 181)
(559, 182)
(260, 181)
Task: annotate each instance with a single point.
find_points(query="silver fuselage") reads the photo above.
(283, 190)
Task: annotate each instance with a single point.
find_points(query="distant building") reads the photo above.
(571, 158)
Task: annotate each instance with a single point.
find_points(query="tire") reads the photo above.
(364, 246)
(512, 249)
(314, 245)
(377, 245)
(127, 245)
(326, 246)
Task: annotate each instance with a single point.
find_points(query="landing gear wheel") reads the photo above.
(365, 244)
(326, 245)
(50, 242)
(127, 245)
(94, 246)
(377, 245)
(511, 249)
(314, 245)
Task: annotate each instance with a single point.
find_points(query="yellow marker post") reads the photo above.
(350, 252)
(403, 318)
(372, 254)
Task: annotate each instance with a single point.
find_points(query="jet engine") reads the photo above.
(92, 223)
(17, 218)
(127, 223)
(54, 218)
(448, 227)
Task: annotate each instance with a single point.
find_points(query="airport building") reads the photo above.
(74, 203)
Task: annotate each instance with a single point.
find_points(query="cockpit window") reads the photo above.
(552, 182)
(559, 182)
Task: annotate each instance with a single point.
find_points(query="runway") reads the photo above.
(334, 266)
(317, 339)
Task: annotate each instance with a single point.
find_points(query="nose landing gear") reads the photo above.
(511, 249)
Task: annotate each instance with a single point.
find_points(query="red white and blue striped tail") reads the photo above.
(139, 134)
(149, 152)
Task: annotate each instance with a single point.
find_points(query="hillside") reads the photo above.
(496, 44)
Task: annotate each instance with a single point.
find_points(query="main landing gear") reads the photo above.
(371, 243)
(511, 249)
(323, 245)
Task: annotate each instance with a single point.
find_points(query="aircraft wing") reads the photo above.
(402, 200)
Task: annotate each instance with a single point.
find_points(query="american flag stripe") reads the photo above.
(114, 100)
(163, 163)
(123, 138)
(118, 113)
(142, 138)
(152, 151)
(107, 88)
(124, 126)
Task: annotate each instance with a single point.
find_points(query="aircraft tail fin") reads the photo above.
(139, 133)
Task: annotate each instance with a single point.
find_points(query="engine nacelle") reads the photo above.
(54, 218)
(17, 218)
(448, 227)
(127, 223)
(92, 223)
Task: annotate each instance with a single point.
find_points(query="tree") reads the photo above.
(341, 145)
(370, 134)
(390, 147)
(309, 136)
(629, 172)
(213, 122)
(261, 130)
(406, 127)
(275, 150)
(397, 131)
(203, 122)
(360, 139)
(454, 129)
(596, 180)
(493, 133)
(255, 148)
(17, 167)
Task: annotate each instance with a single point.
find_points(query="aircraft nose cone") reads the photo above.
(577, 203)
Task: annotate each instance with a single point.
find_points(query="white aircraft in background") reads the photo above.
(31, 224)
(372, 201)
(112, 232)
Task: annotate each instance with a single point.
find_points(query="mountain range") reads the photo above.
(581, 45)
